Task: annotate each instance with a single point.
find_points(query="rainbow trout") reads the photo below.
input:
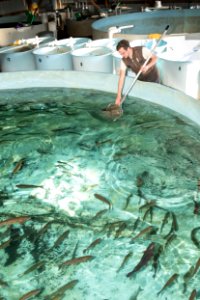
(15, 220)
(30, 294)
(168, 283)
(103, 199)
(77, 260)
(148, 254)
(92, 245)
(193, 295)
(194, 238)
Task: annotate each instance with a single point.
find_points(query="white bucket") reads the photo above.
(94, 59)
(53, 58)
(18, 58)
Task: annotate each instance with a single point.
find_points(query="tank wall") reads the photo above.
(177, 74)
(153, 92)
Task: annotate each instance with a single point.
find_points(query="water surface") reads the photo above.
(98, 191)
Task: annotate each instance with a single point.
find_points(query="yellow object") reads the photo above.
(34, 8)
(16, 43)
(154, 36)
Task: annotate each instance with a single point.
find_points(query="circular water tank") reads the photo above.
(17, 58)
(94, 59)
(116, 62)
(109, 43)
(53, 58)
(72, 42)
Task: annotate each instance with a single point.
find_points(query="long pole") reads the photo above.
(145, 63)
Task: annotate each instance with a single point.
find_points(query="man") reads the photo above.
(134, 59)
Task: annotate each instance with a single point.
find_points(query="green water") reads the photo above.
(58, 155)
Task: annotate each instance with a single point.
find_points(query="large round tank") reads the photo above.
(145, 23)
(18, 58)
(53, 58)
(93, 59)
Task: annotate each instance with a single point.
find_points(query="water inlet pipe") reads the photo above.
(117, 29)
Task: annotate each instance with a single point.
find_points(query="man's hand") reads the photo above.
(144, 69)
(118, 101)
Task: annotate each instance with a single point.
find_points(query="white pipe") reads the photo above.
(117, 29)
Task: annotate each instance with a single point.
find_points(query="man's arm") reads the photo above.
(152, 61)
(122, 75)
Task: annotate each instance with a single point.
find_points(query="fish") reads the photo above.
(170, 239)
(93, 244)
(196, 207)
(77, 260)
(165, 220)
(136, 223)
(75, 249)
(139, 181)
(30, 294)
(197, 265)
(112, 226)
(149, 211)
(120, 229)
(61, 239)
(148, 230)
(64, 163)
(18, 167)
(126, 258)
(33, 268)
(103, 199)
(148, 254)
(193, 237)
(186, 277)
(28, 186)
(5, 244)
(168, 283)
(128, 200)
(148, 205)
(198, 185)
(15, 220)
(42, 230)
(99, 214)
(60, 291)
(158, 252)
(174, 221)
(193, 295)
(169, 233)
(98, 143)
(3, 283)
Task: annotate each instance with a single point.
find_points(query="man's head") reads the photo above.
(123, 48)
